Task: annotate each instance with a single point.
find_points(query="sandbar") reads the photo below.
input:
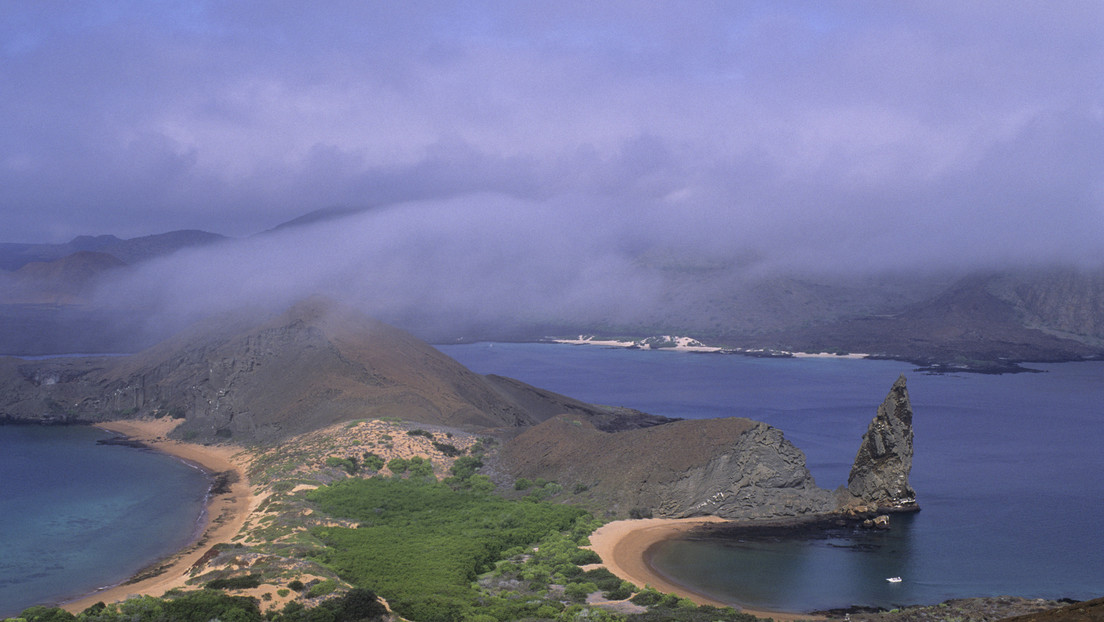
(226, 512)
(623, 546)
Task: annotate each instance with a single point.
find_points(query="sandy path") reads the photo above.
(623, 546)
(226, 512)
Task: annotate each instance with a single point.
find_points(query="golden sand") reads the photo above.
(226, 512)
(623, 546)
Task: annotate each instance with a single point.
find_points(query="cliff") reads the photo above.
(733, 468)
(880, 474)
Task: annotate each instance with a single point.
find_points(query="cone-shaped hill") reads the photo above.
(261, 381)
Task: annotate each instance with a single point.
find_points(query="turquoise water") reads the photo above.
(1009, 471)
(76, 516)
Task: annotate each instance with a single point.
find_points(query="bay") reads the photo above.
(76, 516)
(1009, 470)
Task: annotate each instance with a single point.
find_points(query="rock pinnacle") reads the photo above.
(881, 470)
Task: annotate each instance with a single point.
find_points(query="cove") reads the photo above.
(1008, 471)
(76, 516)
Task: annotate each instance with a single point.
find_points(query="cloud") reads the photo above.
(826, 135)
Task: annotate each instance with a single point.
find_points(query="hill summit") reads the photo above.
(263, 378)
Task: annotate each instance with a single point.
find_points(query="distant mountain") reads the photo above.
(983, 321)
(134, 250)
(317, 216)
(262, 380)
(67, 280)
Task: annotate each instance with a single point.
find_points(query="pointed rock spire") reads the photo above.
(880, 475)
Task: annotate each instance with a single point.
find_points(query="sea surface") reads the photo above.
(1008, 470)
(76, 516)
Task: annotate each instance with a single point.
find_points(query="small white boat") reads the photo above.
(894, 579)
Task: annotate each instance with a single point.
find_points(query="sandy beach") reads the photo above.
(623, 546)
(226, 512)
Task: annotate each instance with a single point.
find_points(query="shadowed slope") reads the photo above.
(316, 364)
(733, 468)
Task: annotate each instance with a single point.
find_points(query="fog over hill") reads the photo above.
(511, 171)
(494, 267)
(486, 267)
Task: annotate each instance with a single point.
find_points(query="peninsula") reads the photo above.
(319, 394)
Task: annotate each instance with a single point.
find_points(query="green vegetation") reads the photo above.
(447, 449)
(421, 544)
(322, 588)
(372, 462)
(205, 605)
(246, 582)
(398, 466)
(348, 464)
(448, 550)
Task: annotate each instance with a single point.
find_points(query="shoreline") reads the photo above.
(626, 546)
(689, 344)
(223, 517)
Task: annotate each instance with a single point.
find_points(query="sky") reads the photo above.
(808, 134)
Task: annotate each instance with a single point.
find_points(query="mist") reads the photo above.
(555, 160)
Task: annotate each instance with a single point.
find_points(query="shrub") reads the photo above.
(465, 466)
(246, 582)
(640, 513)
(579, 591)
(297, 585)
(398, 466)
(480, 483)
(603, 578)
(523, 484)
(407, 544)
(421, 467)
(569, 570)
(206, 605)
(647, 597)
(420, 432)
(583, 557)
(322, 588)
(46, 614)
(448, 449)
(372, 462)
(621, 592)
(349, 465)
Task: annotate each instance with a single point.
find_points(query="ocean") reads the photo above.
(1008, 469)
(76, 516)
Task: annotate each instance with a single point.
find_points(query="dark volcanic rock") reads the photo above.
(733, 468)
(880, 473)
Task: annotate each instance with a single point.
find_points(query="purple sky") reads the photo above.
(850, 133)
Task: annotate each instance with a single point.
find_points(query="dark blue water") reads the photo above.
(1009, 470)
(76, 516)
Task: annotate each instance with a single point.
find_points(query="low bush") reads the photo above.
(246, 582)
